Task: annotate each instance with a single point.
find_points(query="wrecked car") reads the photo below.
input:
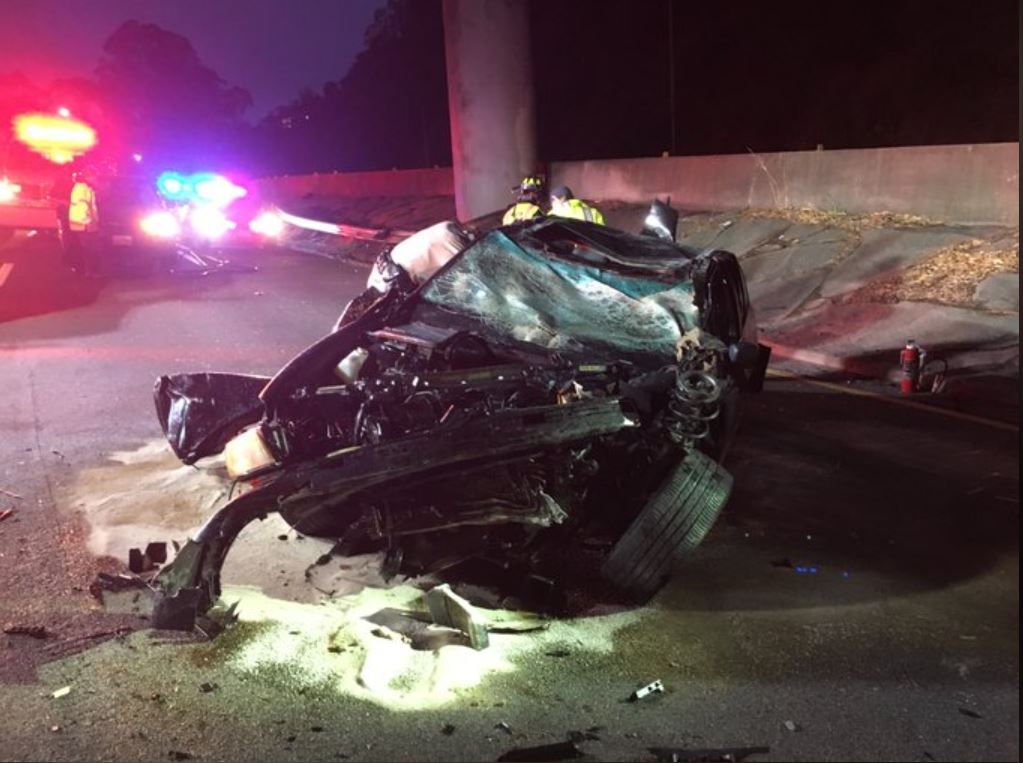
(554, 380)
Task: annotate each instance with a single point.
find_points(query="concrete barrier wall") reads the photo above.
(967, 183)
(962, 183)
(424, 182)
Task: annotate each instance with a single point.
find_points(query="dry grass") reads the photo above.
(949, 276)
(846, 220)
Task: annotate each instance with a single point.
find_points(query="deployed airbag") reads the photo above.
(200, 412)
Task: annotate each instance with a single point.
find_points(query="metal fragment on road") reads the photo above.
(655, 687)
(449, 609)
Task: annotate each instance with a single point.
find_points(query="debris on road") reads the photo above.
(590, 735)
(655, 687)
(61, 692)
(35, 631)
(729, 754)
(5, 514)
(207, 687)
(153, 555)
(178, 755)
(970, 713)
(447, 729)
(793, 726)
(115, 583)
(503, 726)
(9, 494)
(545, 752)
(449, 609)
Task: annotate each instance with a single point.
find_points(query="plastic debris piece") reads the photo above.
(503, 726)
(61, 692)
(655, 687)
(793, 726)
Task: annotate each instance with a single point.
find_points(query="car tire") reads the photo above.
(674, 521)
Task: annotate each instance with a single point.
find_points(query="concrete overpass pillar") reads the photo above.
(490, 101)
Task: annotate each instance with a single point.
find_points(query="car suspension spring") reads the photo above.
(692, 405)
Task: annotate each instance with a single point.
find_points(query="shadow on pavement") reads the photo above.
(40, 284)
(837, 487)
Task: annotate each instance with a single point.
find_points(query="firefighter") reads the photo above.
(528, 205)
(565, 204)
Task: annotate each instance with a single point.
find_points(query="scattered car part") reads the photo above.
(655, 687)
(676, 518)
(451, 610)
(140, 560)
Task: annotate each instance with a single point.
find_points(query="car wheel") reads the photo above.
(674, 521)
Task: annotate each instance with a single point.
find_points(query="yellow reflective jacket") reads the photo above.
(82, 210)
(577, 209)
(524, 210)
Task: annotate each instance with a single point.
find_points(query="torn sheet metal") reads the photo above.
(449, 609)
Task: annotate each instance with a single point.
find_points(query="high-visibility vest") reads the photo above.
(81, 212)
(577, 209)
(524, 210)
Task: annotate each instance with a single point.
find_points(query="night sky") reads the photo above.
(272, 48)
(760, 77)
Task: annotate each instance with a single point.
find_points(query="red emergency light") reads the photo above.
(59, 139)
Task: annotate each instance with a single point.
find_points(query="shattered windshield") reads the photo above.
(522, 292)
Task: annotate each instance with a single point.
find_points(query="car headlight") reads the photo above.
(267, 224)
(209, 222)
(160, 224)
(247, 453)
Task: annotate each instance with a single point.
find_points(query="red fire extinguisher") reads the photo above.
(910, 360)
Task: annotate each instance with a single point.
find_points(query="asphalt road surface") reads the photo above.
(858, 600)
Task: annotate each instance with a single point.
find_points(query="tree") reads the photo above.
(167, 100)
(389, 110)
